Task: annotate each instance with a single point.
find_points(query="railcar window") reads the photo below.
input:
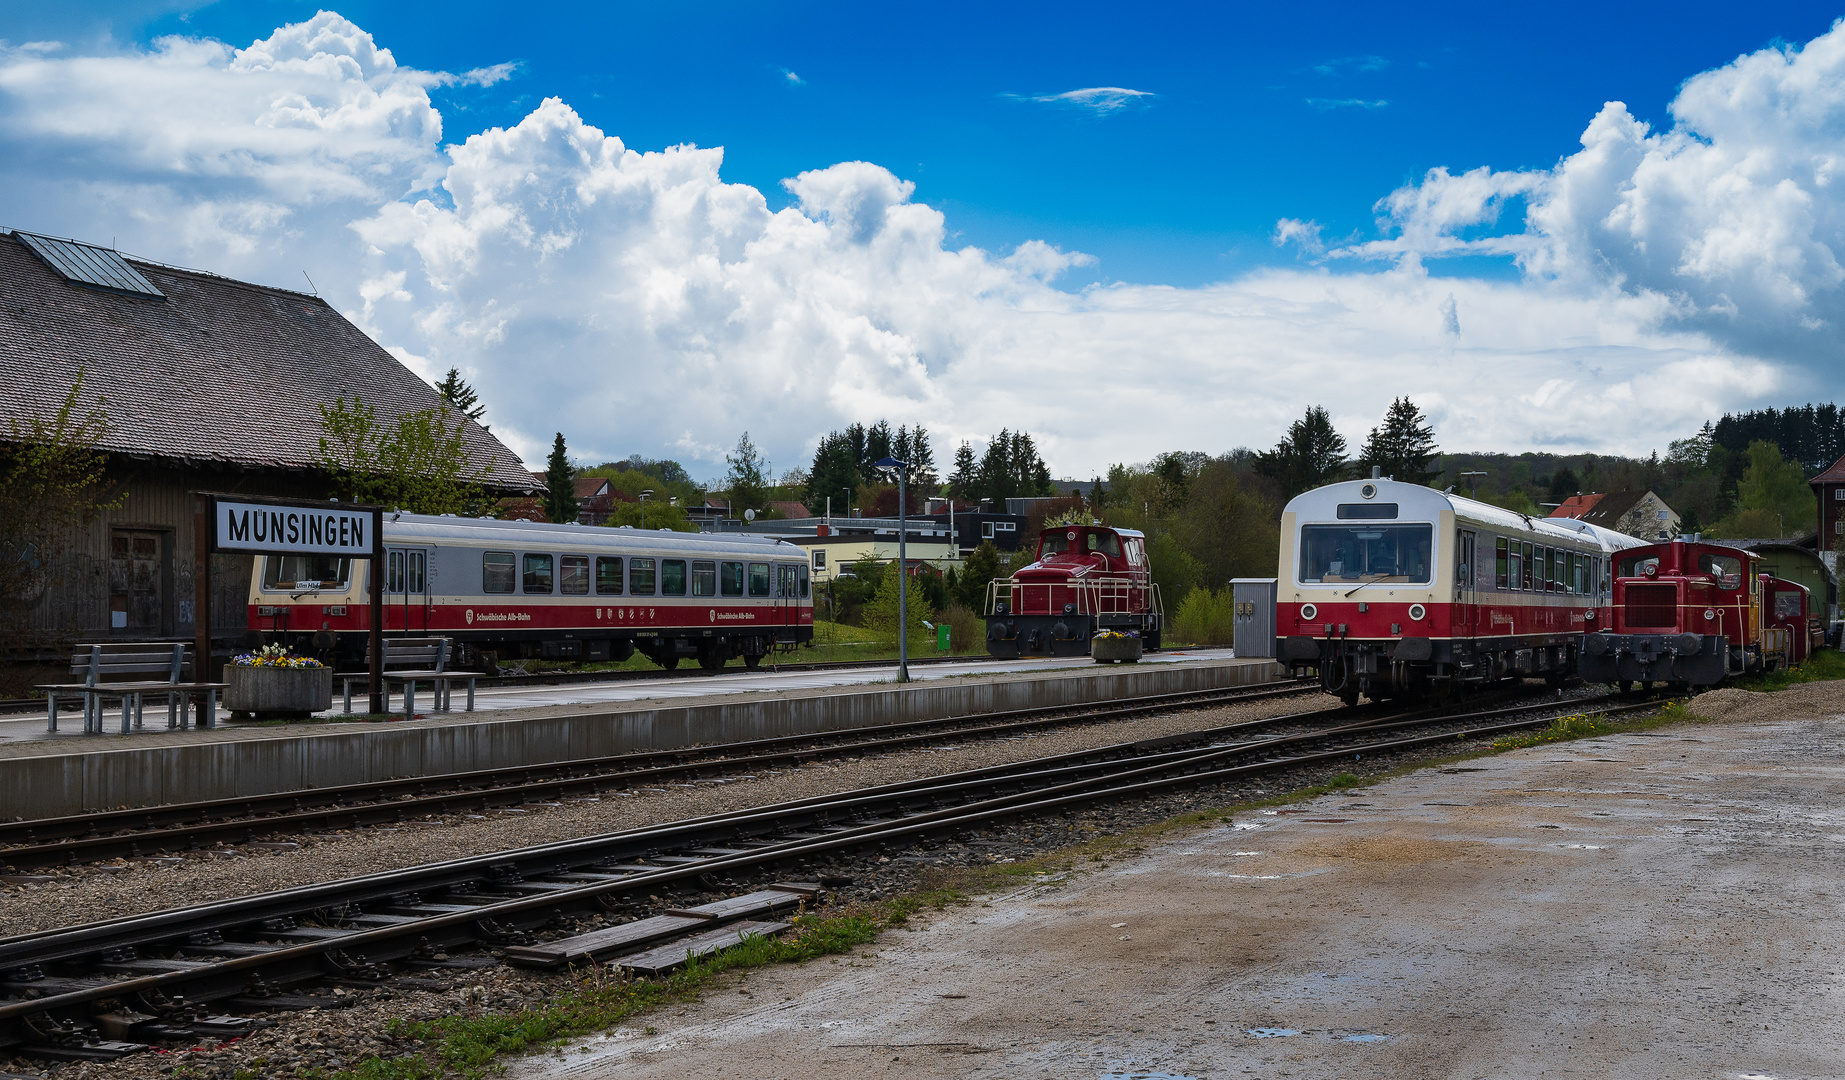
(1362, 553)
(1515, 567)
(573, 575)
(1526, 576)
(1726, 568)
(759, 579)
(1134, 556)
(640, 577)
(672, 577)
(1052, 544)
(1554, 578)
(496, 572)
(608, 575)
(537, 572)
(1500, 562)
(1107, 543)
(394, 572)
(805, 586)
(1787, 604)
(730, 578)
(285, 572)
(704, 579)
(1636, 565)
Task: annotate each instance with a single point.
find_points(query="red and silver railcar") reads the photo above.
(533, 589)
(1692, 614)
(1394, 589)
(1087, 579)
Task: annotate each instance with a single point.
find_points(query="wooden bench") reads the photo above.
(427, 661)
(99, 662)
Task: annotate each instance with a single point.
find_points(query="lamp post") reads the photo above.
(644, 497)
(903, 581)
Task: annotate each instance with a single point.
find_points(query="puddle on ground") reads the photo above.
(1462, 770)
(1327, 820)
(1547, 826)
(1245, 825)
(1271, 1032)
(1363, 1037)
(1145, 1076)
(1581, 847)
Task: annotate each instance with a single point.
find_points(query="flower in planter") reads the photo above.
(275, 656)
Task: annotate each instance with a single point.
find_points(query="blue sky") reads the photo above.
(1581, 227)
(1180, 188)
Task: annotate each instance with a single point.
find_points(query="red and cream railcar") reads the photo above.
(1393, 589)
(1693, 613)
(1087, 578)
(522, 588)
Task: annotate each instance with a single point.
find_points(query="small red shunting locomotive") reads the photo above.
(1088, 578)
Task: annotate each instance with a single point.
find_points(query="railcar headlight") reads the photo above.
(1710, 613)
(1418, 612)
(1308, 612)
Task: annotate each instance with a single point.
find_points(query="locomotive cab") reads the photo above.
(1087, 579)
(1692, 614)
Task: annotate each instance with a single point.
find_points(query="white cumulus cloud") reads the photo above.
(637, 301)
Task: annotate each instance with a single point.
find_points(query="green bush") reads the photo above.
(1205, 617)
(966, 630)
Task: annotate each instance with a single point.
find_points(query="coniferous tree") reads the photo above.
(966, 472)
(835, 473)
(560, 484)
(747, 477)
(459, 396)
(1402, 446)
(1312, 455)
(878, 439)
(1563, 484)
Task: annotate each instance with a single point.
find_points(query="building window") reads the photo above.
(496, 572)
(819, 560)
(1838, 494)
(986, 530)
(537, 574)
(608, 575)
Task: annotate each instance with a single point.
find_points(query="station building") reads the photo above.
(207, 383)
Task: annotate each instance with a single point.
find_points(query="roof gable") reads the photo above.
(1831, 474)
(216, 371)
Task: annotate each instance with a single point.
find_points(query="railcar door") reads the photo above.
(787, 594)
(407, 590)
(1462, 617)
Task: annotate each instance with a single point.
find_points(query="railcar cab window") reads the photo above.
(1105, 542)
(1788, 604)
(1340, 554)
(608, 576)
(640, 577)
(573, 575)
(537, 574)
(496, 572)
(730, 578)
(759, 579)
(704, 579)
(292, 573)
(1727, 569)
(672, 577)
(1637, 566)
(1053, 544)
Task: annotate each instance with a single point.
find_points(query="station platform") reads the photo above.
(67, 773)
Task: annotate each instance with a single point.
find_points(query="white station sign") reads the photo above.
(306, 530)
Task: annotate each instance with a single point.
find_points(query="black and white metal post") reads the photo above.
(903, 567)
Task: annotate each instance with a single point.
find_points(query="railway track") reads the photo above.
(101, 990)
(151, 831)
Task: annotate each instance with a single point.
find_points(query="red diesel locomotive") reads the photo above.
(1692, 614)
(1087, 579)
(1391, 589)
(523, 588)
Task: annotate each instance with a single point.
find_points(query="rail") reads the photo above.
(1092, 596)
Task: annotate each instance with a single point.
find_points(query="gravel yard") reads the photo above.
(82, 894)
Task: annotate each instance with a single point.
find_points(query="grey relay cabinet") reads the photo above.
(1254, 635)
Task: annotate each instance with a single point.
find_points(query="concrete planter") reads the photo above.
(1104, 650)
(271, 692)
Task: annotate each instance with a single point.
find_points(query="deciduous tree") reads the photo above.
(418, 462)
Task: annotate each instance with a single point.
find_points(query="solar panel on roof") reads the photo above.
(89, 264)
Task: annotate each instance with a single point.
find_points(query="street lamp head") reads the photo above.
(891, 463)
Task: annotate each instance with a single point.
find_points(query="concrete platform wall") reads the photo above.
(71, 783)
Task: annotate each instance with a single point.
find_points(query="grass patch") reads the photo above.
(1825, 665)
(470, 1045)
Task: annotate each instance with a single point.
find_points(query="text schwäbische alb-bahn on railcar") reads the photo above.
(1087, 579)
(1392, 589)
(533, 589)
(1692, 614)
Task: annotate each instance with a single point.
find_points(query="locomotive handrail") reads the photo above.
(1092, 596)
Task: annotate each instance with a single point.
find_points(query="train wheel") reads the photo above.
(669, 663)
(1646, 686)
(753, 660)
(1351, 699)
(1626, 686)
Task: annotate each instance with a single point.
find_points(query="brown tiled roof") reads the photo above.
(1610, 507)
(1575, 506)
(219, 371)
(791, 509)
(1833, 474)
